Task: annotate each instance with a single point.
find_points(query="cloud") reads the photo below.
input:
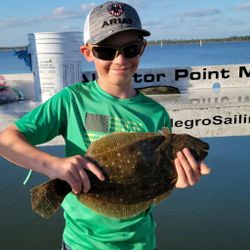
(235, 22)
(12, 23)
(207, 27)
(60, 13)
(87, 7)
(201, 12)
(243, 7)
(138, 4)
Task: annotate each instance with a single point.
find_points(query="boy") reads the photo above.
(82, 113)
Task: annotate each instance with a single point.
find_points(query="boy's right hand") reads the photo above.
(72, 170)
(15, 148)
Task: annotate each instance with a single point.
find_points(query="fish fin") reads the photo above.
(47, 197)
(165, 131)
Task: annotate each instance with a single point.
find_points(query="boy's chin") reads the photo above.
(121, 81)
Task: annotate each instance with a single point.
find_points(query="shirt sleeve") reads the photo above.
(46, 121)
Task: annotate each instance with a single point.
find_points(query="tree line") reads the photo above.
(169, 41)
(209, 40)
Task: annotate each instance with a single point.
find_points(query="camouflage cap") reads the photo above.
(111, 18)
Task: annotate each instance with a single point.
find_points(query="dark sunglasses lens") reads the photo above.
(108, 53)
(104, 53)
(132, 50)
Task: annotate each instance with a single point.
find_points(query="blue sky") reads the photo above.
(170, 19)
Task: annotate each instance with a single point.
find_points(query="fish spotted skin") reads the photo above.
(138, 168)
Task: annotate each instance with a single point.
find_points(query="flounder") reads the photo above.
(138, 168)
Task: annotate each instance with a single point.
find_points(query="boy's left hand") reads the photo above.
(188, 169)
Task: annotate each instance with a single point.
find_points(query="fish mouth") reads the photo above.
(204, 153)
(205, 147)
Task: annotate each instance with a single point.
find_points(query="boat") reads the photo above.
(208, 101)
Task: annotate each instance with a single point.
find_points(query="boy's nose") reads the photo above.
(119, 57)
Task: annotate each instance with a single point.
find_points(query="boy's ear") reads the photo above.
(86, 53)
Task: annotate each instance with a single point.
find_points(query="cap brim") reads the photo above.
(95, 40)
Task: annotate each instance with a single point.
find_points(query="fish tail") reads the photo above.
(47, 197)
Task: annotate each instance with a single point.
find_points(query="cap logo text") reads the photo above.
(115, 21)
(115, 9)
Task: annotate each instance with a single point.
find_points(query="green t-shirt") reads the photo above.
(82, 113)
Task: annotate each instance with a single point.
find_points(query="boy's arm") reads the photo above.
(15, 148)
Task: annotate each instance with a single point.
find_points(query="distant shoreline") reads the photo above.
(13, 48)
(167, 41)
(192, 41)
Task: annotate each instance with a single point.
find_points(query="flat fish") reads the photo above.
(138, 168)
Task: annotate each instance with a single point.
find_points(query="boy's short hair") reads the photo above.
(111, 18)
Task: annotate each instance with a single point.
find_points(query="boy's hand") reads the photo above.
(188, 169)
(72, 170)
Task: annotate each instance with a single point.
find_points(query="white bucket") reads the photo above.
(56, 61)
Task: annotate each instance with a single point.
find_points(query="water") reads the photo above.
(215, 213)
(155, 56)
(194, 55)
(21, 228)
(10, 64)
(212, 215)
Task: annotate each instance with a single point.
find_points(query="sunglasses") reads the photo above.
(108, 53)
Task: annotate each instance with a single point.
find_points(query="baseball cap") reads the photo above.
(111, 18)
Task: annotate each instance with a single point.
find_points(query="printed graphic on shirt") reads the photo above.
(117, 124)
(98, 125)
(96, 122)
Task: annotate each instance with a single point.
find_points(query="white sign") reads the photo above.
(208, 113)
(189, 78)
(214, 100)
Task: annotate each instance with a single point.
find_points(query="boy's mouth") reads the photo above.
(120, 69)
